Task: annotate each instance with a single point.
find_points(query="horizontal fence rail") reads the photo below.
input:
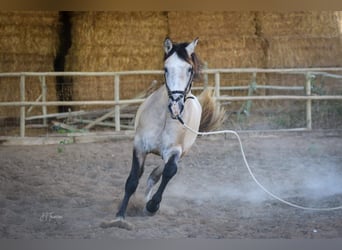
(137, 101)
(313, 71)
(41, 101)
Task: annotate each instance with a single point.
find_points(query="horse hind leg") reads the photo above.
(152, 180)
(169, 171)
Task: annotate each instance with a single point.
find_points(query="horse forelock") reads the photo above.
(180, 50)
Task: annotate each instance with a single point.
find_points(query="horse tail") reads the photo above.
(213, 115)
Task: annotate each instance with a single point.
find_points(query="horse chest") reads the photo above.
(160, 137)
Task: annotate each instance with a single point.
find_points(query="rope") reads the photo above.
(251, 173)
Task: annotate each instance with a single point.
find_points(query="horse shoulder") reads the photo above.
(192, 117)
(152, 106)
(193, 112)
(149, 121)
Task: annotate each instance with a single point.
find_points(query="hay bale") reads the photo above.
(115, 41)
(39, 18)
(32, 32)
(233, 52)
(28, 42)
(186, 25)
(107, 41)
(301, 39)
(227, 39)
(299, 24)
(292, 52)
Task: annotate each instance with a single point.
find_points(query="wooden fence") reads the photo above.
(42, 102)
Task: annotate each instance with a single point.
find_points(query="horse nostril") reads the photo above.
(176, 108)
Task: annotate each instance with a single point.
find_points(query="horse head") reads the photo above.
(180, 67)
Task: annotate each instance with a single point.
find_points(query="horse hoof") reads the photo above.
(150, 208)
(148, 213)
(118, 222)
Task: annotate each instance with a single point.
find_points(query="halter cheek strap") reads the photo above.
(182, 93)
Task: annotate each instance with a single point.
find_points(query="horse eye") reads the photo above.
(190, 70)
(165, 70)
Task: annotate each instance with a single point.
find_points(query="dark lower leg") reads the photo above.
(170, 170)
(131, 182)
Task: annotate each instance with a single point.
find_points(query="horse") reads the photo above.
(158, 125)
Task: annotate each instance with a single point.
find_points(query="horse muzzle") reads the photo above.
(176, 108)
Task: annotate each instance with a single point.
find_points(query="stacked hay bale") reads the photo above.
(301, 39)
(227, 39)
(28, 43)
(114, 41)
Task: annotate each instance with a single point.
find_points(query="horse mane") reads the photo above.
(180, 49)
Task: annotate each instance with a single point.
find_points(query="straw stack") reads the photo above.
(301, 39)
(28, 43)
(119, 41)
(297, 40)
(115, 41)
(227, 39)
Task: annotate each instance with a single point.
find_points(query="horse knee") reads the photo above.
(170, 168)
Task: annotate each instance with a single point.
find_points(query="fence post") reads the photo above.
(252, 87)
(117, 99)
(44, 108)
(22, 108)
(217, 86)
(309, 77)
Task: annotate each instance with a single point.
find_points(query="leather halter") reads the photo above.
(182, 93)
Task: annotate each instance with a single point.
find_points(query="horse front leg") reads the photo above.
(132, 181)
(130, 187)
(169, 171)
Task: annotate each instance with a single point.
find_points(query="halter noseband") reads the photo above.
(182, 93)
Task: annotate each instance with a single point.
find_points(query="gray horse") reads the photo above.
(159, 129)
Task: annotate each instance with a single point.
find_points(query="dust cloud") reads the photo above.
(303, 175)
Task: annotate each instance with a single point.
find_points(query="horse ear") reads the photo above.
(191, 47)
(167, 45)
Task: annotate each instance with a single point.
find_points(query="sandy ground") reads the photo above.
(66, 191)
